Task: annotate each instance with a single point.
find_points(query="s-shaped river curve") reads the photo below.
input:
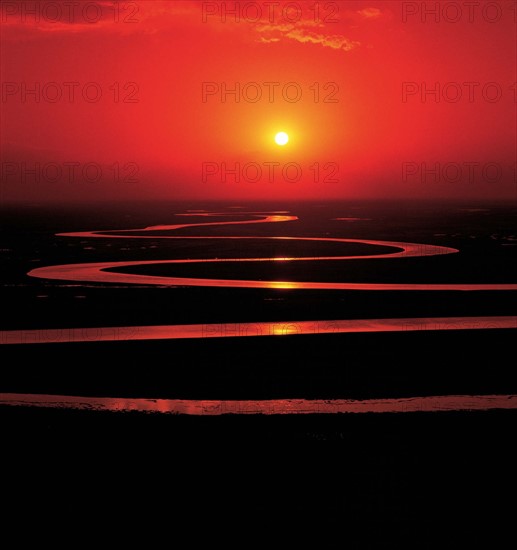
(96, 272)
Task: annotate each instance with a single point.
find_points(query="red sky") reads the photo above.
(378, 139)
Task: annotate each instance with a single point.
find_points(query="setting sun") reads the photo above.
(281, 138)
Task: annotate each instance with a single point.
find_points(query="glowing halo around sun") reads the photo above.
(281, 138)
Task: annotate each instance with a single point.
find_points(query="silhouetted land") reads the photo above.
(386, 478)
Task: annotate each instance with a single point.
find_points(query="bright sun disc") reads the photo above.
(281, 138)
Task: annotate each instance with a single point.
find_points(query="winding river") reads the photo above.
(97, 272)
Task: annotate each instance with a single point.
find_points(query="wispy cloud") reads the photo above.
(309, 31)
(155, 16)
(302, 32)
(370, 13)
(334, 41)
